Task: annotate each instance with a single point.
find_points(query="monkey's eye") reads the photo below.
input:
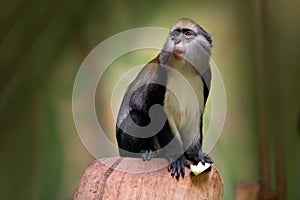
(189, 34)
(175, 34)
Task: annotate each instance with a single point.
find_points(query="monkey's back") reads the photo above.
(145, 91)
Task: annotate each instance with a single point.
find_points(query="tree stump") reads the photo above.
(132, 178)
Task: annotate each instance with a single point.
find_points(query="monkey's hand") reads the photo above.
(204, 164)
(148, 155)
(177, 167)
(204, 158)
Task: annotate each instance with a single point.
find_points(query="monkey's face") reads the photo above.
(180, 39)
(187, 41)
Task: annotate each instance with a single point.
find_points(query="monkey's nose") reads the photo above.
(179, 49)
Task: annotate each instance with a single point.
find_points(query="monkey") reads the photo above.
(187, 50)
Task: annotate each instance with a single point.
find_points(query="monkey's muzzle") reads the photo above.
(179, 51)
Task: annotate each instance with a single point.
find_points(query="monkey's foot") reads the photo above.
(147, 154)
(205, 158)
(177, 167)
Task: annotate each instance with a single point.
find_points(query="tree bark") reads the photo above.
(132, 178)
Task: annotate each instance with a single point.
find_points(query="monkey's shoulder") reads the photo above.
(146, 90)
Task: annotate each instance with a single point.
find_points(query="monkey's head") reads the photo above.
(187, 41)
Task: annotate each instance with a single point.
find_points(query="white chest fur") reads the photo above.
(184, 98)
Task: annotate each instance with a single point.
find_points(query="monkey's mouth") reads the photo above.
(178, 54)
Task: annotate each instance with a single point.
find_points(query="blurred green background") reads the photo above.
(43, 43)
